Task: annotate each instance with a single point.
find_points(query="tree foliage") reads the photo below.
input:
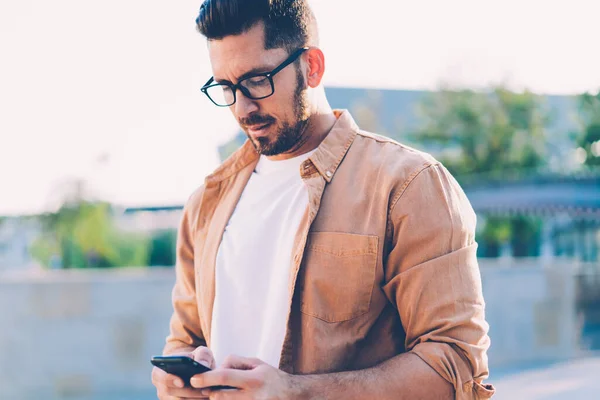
(162, 248)
(83, 235)
(474, 132)
(589, 138)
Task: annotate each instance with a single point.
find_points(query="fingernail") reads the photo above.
(178, 383)
(205, 363)
(205, 392)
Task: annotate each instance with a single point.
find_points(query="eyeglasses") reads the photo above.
(256, 87)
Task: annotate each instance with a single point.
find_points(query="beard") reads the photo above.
(288, 137)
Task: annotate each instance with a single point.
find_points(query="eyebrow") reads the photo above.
(253, 71)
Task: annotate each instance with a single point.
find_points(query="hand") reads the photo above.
(171, 387)
(254, 379)
(204, 356)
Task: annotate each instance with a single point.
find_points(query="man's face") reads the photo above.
(276, 124)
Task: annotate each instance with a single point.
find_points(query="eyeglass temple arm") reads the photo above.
(211, 80)
(290, 60)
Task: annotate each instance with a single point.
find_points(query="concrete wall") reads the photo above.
(90, 334)
(82, 335)
(531, 312)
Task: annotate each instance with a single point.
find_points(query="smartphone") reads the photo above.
(183, 367)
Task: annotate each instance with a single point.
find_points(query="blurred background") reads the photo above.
(104, 134)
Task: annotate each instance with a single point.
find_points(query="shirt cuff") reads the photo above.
(451, 366)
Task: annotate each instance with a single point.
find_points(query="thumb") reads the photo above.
(204, 356)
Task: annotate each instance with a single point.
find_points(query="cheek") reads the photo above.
(281, 105)
(273, 106)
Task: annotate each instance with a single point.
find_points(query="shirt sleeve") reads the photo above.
(433, 279)
(185, 331)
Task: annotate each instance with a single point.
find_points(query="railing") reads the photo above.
(528, 176)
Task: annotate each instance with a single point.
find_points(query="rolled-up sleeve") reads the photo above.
(185, 331)
(433, 278)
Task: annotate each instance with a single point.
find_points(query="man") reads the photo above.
(319, 261)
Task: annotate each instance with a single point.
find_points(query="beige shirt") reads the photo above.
(384, 262)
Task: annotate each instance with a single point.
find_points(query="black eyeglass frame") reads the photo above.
(234, 87)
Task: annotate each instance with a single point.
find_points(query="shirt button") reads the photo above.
(329, 174)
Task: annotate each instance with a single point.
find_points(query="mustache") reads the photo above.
(256, 119)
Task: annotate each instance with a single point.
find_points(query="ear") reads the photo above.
(316, 66)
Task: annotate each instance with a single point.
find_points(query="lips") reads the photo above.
(258, 129)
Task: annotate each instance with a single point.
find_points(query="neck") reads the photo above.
(317, 129)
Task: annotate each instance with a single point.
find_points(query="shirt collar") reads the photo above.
(332, 150)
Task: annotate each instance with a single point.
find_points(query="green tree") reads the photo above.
(525, 237)
(589, 139)
(495, 232)
(83, 235)
(492, 132)
(162, 248)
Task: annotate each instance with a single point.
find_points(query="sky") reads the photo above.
(108, 91)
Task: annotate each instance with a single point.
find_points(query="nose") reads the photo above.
(244, 106)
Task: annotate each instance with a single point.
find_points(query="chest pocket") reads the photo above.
(337, 275)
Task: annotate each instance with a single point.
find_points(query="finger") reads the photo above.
(238, 362)
(158, 375)
(204, 356)
(185, 393)
(173, 381)
(162, 378)
(224, 377)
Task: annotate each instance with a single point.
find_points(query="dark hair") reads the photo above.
(287, 22)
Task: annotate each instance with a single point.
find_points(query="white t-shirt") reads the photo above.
(254, 261)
